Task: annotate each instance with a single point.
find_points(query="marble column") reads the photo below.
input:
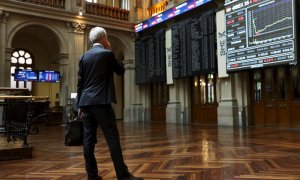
(63, 60)
(7, 73)
(178, 108)
(129, 78)
(3, 77)
(3, 41)
(173, 111)
(136, 97)
(76, 50)
(228, 104)
(64, 93)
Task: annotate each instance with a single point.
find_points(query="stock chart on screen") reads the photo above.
(260, 33)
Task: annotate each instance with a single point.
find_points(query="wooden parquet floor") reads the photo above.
(160, 151)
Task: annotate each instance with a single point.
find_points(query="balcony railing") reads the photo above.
(106, 11)
(51, 3)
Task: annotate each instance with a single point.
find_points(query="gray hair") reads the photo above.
(96, 33)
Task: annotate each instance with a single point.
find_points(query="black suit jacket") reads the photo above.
(96, 77)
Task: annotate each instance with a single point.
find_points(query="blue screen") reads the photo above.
(170, 13)
(25, 75)
(49, 76)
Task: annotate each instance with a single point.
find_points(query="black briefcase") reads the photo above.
(74, 132)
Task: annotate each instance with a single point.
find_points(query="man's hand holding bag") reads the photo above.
(74, 132)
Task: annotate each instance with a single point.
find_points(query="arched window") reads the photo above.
(125, 4)
(93, 1)
(20, 59)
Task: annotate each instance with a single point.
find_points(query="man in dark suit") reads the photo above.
(95, 93)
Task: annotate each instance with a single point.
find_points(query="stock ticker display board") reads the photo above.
(260, 33)
(150, 58)
(193, 45)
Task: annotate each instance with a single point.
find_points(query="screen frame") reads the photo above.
(169, 14)
(26, 79)
(296, 41)
(50, 81)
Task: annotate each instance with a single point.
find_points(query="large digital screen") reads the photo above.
(193, 45)
(260, 33)
(49, 76)
(150, 58)
(25, 75)
(170, 13)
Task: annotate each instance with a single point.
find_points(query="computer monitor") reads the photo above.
(49, 76)
(25, 75)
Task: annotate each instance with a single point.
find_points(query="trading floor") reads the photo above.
(168, 151)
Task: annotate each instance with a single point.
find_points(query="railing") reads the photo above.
(51, 3)
(21, 115)
(14, 91)
(106, 11)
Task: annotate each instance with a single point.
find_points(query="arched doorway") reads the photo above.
(44, 46)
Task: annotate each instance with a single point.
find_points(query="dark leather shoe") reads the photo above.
(132, 177)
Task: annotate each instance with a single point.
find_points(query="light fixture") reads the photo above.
(80, 12)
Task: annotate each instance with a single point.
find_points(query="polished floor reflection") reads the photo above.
(160, 151)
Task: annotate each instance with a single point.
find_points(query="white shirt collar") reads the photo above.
(98, 44)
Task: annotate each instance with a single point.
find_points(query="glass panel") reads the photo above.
(282, 92)
(202, 89)
(27, 55)
(125, 4)
(12, 69)
(257, 86)
(210, 87)
(13, 83)
(295, 82)
(16, 54)
(269, 84)
(21, 60)
(21, 84)
(21, 52)
(128, 5)
(29, 61)
(14, 60)
(12, 79)
(196, 90)
(100, 1)
(29, 85)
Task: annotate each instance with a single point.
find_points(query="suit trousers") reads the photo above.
(104, 116)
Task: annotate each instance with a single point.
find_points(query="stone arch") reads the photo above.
(126, 43)
(60, 39)
(54, 32)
